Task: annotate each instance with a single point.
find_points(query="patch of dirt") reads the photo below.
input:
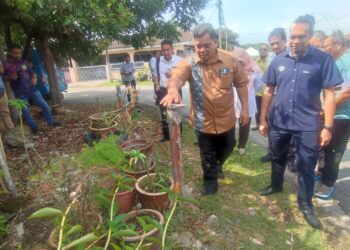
(52, 146)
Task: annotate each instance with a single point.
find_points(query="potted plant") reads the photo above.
(150, 191)
(105, 153)
(126, 194)
(136, 164)
(66, 235)
(148, 223)
(57, 109)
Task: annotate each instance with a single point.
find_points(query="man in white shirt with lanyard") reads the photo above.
(167, 62)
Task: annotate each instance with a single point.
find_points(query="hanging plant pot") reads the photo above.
(148, 189)
(104, 131)
(154, 233)
(124, 198)
(58, 109)
(53, 237)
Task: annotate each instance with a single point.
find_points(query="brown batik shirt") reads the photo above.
(211, 87)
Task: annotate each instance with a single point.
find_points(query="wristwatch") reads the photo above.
(329, 128)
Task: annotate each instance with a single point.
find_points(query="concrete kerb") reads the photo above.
(333, 216)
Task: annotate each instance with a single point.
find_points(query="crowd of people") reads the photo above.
(300, 100)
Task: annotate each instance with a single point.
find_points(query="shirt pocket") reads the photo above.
(225, 81)
(310, 78)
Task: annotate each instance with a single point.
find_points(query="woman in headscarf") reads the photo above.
(255, 84)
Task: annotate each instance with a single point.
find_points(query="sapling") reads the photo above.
(20, 105)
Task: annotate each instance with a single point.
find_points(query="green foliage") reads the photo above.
(82, 29)
(3, 226)
(232, 39)
(142, 74)
(105, 153)
(18, 104)
(134, 157)
(46, 212)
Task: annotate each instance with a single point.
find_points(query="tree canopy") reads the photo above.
(82, 29)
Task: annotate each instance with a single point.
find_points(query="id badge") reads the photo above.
(224, 71)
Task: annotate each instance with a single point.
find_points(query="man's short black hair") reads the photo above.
(279, 32)
(126, 55)
(167, 42)
(14, 46)
(308, 19)
(203, 29)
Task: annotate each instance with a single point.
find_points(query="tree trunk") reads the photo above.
(27, 51)
(49, 64)
(8, 38)
(7, 177)
(13, 111)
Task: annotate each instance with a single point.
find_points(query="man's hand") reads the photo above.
(173, 96)
(263, 128)
(325, 137)
(14, 76)
(244, 118)
(34, 80)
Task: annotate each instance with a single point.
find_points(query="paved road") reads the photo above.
(89, 92)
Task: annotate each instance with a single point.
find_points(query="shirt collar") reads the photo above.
(309, 51)
(165, 61)
(217, 57)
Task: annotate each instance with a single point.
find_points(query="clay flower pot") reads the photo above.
(58, 109)
(154, 200)
(139, 173)
(125, 198)
(154, 233)
(141, 145)
(144, 147)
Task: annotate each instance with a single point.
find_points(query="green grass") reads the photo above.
(244, 215)
(147, 83)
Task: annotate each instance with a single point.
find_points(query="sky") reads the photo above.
(255, 19)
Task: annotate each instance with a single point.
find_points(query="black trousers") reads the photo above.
(131, 83)
(331, 155)
(291, 150)
(307, 149)
(214, 150)
(243, 134)
(161, 93)
(258, 100)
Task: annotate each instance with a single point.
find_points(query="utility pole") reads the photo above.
(221, 23)
(220, 17)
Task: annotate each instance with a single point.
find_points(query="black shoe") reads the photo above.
(55, 124)
(221, 173)
(312, 219)
(291, 166)
(210, 187)
(270, 190)
(266, 158)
